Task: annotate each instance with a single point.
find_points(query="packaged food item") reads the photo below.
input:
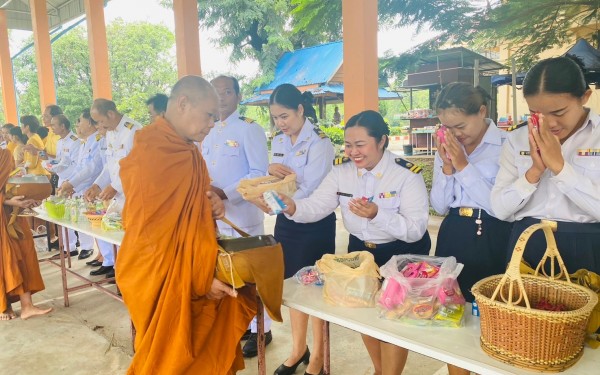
(450, 315)
(308, 275)
(275, 204)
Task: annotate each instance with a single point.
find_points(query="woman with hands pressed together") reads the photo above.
(465, 168)
(550, 169)
(384, 206)
(302, 148)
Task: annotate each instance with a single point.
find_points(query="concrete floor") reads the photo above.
(92, 336)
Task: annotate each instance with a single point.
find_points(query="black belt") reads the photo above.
(372, 245)
(567, 226)
(470, 212)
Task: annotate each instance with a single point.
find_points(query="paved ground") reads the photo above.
(92, 335)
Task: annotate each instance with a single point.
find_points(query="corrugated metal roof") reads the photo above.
(18, 13)
(331, 93)
(308, 66)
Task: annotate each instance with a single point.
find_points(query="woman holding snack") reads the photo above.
(464, 172)
(550, 169)
(302, 148)
(384, 206)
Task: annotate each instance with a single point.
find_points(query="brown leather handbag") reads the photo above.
(253, 260)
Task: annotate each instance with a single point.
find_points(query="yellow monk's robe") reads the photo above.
(33, 162)
(19, 267)
(166, 263)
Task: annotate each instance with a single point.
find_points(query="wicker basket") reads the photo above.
(253, 188)
(514, 332)
(94, 219)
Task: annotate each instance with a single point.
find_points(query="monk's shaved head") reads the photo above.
(195, 88)
(192, 108)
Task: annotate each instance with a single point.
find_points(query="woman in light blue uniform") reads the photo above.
(384, 206)
(465, 169)
(301, 148)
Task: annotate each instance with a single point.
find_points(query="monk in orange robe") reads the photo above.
(19, 268)
(187, 321)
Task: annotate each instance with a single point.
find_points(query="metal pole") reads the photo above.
(476, 73)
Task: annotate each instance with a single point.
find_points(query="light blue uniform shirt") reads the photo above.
(67, 152)
(472, 186)
(234, 150)
(89, 163)
(572, 195)
(311, 157)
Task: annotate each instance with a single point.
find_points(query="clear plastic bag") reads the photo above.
(308, 275)
(112, 220)
(422, 290)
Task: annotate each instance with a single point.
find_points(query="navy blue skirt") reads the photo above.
(304, 244)
(383, 252)
(482, 255)
(578, 244)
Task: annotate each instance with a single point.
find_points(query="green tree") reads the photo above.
(141, 65)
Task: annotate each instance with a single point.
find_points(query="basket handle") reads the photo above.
(235, 227)
(516, 291)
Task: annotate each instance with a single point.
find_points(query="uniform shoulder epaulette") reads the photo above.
(246, 119)
(129, 125)
(408, 165)
(99, 137)
(341, 160)
(516, 126)
(278, 132)
(74, 137)
(320, 132)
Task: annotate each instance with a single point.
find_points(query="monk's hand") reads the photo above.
(20, 201)
(218, 191)
(219, 290)
(279, 170)
(216, 204)
(108, 193)
(363, 207)
(91, 193)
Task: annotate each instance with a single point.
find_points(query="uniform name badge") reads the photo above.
(388, 194)
(232, 143)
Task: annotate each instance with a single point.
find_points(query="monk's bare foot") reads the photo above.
(34, 311)
(8, 315)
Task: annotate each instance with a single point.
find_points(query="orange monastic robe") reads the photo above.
(166, 263)
(19, 267)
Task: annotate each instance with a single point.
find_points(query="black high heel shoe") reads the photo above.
(285, 370)
(308, 373)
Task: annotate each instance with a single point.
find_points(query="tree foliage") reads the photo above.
(141, 65)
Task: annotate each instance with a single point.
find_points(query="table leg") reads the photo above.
(48, 234)
(326, 349)
(67, 246)
(63, 269)
(260, 322)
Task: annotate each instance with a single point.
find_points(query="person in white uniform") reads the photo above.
(384, 207)
(65, 163)
(236, 149)
(551, 170)
(88, 167)
(120, 130)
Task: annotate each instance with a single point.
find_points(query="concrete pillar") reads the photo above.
(9, 98)
(187, 37)
(101, 82)
(361, 66)
(43, 52)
